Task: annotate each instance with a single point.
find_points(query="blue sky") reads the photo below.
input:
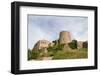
(48, 28)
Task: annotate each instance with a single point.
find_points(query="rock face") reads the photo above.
(79, 44)
(64, 37)
(41, 44)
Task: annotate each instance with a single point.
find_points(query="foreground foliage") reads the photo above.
(59, 54)
(71, 54)
(57, 51)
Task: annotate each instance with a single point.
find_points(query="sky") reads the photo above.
(43, 27)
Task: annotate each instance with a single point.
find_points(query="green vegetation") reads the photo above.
(55, 48)
(57, 52)
(71, 54)
(73, 44)
(29, 54)
(33, 54)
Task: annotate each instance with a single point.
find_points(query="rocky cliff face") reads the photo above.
(41, 44)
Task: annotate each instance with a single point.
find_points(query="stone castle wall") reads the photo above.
(64, 37)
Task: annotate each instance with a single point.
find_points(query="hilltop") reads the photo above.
(62, 48)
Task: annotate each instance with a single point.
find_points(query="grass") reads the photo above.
(60, 54)
(71, 54)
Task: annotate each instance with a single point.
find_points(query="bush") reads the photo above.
(32, 54)
(29, 54)
(73, 44)
(59, 46)
(55, 47)
(35, 54)
(51, 53)
(85, 44)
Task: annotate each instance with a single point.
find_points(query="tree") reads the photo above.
(35, 54)
(85, 44)
(56, 47)
(29, 54)
(73, 44)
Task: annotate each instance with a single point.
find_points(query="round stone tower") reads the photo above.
(64, 37)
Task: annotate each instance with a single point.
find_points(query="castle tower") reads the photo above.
(64, 37)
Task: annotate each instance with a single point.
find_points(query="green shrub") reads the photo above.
(59, 46)
(73, 44)
(50, 53)
(55, 48)
(29, 54)
(35, 54)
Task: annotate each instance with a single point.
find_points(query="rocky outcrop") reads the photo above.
(41, 44)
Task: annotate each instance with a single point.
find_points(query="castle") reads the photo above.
(64, 38)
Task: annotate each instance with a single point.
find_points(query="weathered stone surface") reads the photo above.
(51, 44)
(41, 44)
(79, 44)
(66, 47)
(64, 37)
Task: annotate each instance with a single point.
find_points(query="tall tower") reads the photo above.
(64, 37)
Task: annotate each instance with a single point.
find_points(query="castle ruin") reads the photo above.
(64, 38)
